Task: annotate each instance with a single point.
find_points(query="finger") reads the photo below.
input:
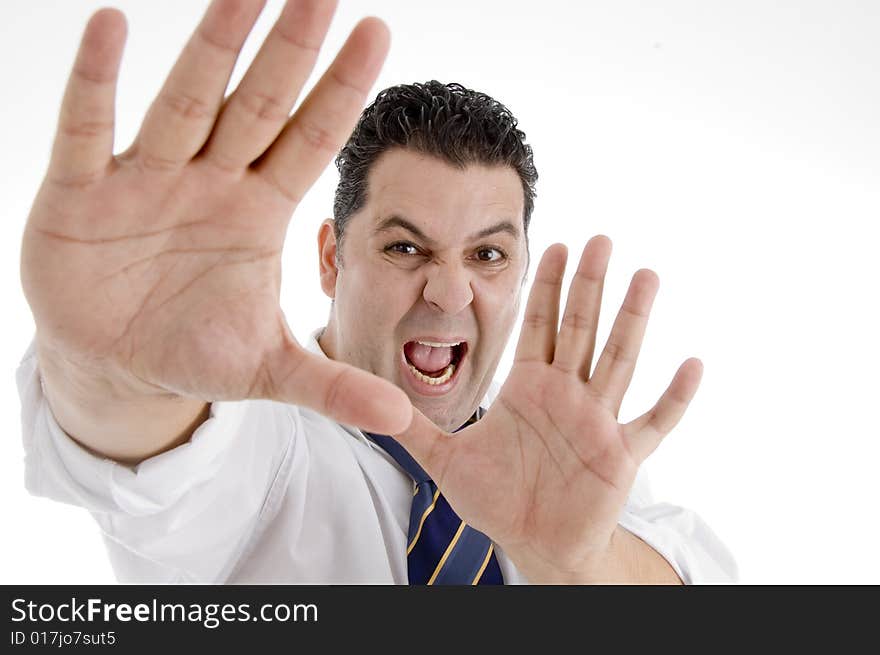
(84, 141)
(325, 120)
(577, 333)
(339, 391)
(645, 433)
(182, 115)
(258, 109)
(537, 338)
(616, 365)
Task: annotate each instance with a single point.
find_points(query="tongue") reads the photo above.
(427, 358)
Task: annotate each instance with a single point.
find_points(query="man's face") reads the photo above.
(427, 289)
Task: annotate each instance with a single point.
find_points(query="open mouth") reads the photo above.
(434, 362)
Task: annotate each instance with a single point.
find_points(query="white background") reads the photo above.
(733, 147)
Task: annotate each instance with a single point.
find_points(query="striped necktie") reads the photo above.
(441, 548)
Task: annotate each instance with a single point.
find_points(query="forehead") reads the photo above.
(441, 198)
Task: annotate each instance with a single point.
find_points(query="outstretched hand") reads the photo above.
(547, 470)
(158, 270)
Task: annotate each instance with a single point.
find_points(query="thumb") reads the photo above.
(430, 446)
(339, 391)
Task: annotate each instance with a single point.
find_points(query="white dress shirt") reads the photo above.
(266, 492)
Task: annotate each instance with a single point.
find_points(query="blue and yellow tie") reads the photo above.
(441, 548)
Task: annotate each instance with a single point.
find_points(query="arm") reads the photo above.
(120, 424)
(184, 516)
(629, 560)
(555, 467)
(153, 275)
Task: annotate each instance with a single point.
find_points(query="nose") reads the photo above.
(448, 287)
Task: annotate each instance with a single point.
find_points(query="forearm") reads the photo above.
(631, 561)
(113, 420)
(627, 560)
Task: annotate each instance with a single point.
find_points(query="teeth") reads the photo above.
(429, 380)
(435, 344)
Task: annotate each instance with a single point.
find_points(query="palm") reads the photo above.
(158, 270)
(181, 280)
(543, 460)
(546, 472)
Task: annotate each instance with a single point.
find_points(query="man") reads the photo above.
(154, 279)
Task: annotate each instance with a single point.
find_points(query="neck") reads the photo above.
(327, 340)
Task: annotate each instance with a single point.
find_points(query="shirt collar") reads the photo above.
(311, 345)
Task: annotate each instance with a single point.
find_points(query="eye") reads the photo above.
(491, 255)
(402, 248)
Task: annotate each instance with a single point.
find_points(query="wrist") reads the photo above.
(115, 416)
(623, 559)
(594, 568)
(91, 380)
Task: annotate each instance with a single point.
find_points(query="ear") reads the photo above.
(327, 257)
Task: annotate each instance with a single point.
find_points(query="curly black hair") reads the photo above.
(448, 121)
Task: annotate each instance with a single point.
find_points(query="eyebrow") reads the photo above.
(503, 226)
(397, 221)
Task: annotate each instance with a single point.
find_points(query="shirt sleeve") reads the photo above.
(692, 549)
(185, 515)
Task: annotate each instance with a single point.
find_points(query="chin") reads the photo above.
(446, 418)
